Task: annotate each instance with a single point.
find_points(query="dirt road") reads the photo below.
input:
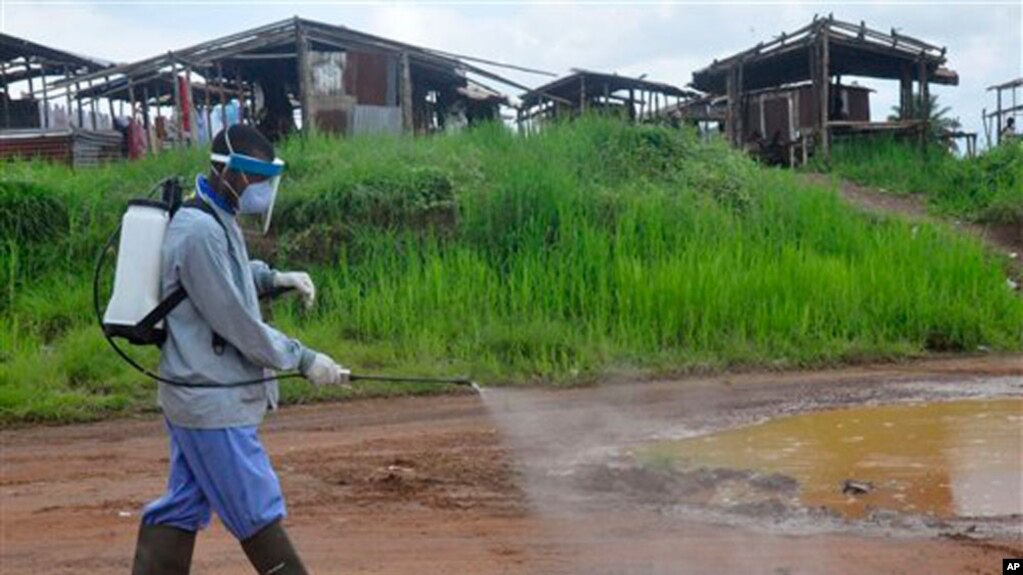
(454, 484)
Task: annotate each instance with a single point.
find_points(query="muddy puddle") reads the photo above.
(947, 460)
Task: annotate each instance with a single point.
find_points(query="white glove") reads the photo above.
(325, 371)
(299, 281)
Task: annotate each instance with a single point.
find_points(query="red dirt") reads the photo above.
(429, 485)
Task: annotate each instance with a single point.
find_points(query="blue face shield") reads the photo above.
(257, 199)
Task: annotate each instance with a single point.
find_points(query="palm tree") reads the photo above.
(937, 116)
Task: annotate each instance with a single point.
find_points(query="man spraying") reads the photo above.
(217, 335)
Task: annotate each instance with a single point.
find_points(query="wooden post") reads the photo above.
(924, 102)
(905, 94)
(67, 95)
(131, 98)
(206, 104)
(925, 90)
(156, 99)
(406, 94)
(6, 93)
(302, 52)
(825, 94)
(46, 98)
(110, 103)
(582, 94)
(223, 96)
(731, 92)
(188, 91)
(740, 107)
(998, 117)
(81, 113)
(145, 119)
(607, 97)
(632, 104)
(92, 108)
(177, 101)
(241, 96)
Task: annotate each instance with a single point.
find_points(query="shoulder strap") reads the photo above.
(170, 302)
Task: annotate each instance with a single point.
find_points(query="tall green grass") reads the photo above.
(589, 247)
(988, 188)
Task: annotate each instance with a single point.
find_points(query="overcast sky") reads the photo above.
(665, 40)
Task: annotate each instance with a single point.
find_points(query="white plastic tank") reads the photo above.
(137, 277)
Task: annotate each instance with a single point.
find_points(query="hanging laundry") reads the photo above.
(233, 112)
(185, 106)
(202, 125)
(136, 140)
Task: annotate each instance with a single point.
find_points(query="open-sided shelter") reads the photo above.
(44, 122)
(819, 55)
(637, 99)
(299, 73)
(1008, 104)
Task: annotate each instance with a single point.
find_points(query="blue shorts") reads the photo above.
(226, 470)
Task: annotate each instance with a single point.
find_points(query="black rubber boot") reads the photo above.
(271, 553)
(163, 550)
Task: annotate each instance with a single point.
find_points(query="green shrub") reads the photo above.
(549, 257)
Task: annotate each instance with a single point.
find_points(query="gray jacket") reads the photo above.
(223, 287)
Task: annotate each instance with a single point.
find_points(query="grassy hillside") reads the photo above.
(593, 246)
(988, 188)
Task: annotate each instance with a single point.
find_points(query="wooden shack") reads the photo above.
(46, 123)
(1008, 104)
(301, 74)
(807, 65)
(635, 99)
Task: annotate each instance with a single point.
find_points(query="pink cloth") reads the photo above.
(136, 140)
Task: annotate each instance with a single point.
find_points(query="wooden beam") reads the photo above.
(206, 106)
(304, 78)
(905, 93)
(924, 101)
(92, 108)
(145, 119)
(740, 109)
(406, 94)
(998, 120)
(241, 97)
(730, 90)
(582, 93)
(110, 105)
(81, 113)
(223, 96)
(188, 92)
(177, 104)
(159, 112)
(6, 93)
(825, 94)
(46, 100)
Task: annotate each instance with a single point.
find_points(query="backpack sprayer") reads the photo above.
(136, 312)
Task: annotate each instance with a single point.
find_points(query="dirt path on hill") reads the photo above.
(456, 484)
(1004, 239)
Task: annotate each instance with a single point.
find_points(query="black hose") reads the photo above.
(141, 369)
